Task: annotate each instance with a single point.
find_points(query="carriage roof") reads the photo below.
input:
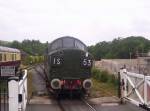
(7, 49)
(67, 42)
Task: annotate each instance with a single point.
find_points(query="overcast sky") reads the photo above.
(89, 20)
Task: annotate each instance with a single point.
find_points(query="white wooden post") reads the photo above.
(122, 76)
(145, 90)
(125, 82)
(13, 93)
(26, 88)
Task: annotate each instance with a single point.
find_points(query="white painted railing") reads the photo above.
(23, 91)
(18, 93)
(135, 88)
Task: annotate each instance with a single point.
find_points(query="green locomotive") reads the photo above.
(68, 65)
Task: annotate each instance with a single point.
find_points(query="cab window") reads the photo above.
(68, 43)
(79, 45)
(56, 45)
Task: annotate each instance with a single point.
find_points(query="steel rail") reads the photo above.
(60, 105)
(91, 107)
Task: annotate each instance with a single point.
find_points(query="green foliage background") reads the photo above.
(120, 48)
(32, 47)
(30, 60)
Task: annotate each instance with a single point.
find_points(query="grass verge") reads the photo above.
(104, 84)
(3, 86)
(30, 85)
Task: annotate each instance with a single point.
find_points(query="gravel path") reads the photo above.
(38, 81)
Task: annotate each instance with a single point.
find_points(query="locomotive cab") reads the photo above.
(69, 65)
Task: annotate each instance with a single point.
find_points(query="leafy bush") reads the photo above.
(104, 76)
(30, 60)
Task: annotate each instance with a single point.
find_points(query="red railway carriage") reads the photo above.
(10, 59)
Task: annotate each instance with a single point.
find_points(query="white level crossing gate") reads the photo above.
(135, 88)
(14, 97)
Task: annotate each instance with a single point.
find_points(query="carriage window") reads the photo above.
(13, 57)
(57, 44)
(68, 42)
(5, 59)
(0, 57)
(79, 45)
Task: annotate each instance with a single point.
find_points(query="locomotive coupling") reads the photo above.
(56, 84)
(87, 84)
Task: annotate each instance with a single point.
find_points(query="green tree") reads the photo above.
(121, 48)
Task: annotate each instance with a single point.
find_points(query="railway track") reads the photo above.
(90, 106)
(64, 105)
(31, 66)
(75, 105)
(28, 68)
